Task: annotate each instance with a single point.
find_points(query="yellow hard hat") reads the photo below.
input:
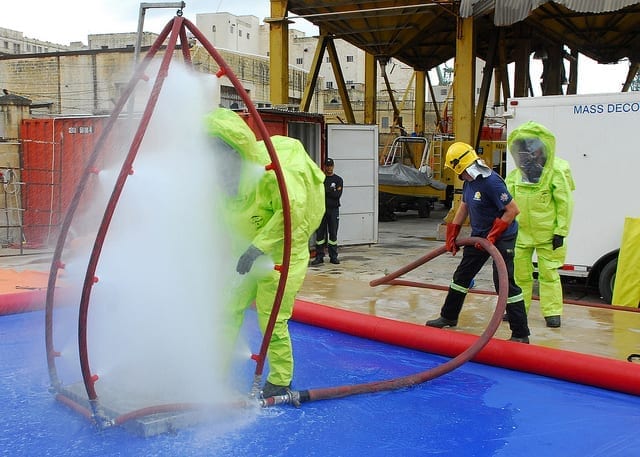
(460, 156)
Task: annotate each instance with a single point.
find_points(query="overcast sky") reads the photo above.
(64, 21)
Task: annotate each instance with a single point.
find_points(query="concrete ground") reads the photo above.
(597, 330)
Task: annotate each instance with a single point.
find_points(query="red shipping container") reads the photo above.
(491, 133)
(54, 153)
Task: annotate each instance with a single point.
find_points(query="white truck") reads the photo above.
(598, 135)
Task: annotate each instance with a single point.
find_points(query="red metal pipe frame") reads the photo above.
(172, 407)
(177, 26)
(125, 171)
(56, 262)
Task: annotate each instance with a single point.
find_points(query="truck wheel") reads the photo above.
(424, 208)
(385, 213)
(607, 280)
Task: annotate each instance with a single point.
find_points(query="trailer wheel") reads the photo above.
(385, 212)
(607, 280)
(424, 208)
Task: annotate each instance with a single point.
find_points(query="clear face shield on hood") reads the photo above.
(228, 163)
(530, 156)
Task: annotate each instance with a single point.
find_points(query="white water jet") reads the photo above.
(155, 321)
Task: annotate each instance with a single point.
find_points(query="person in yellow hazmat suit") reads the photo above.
(542, 186)
(255, 214)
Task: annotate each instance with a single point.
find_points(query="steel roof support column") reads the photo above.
(370, 89)
(633, 70)
(278, 53)
(464, 88)
(420, 97)
(342, 86)
(572, 87)
(521, 79)
(553, 70)
(314, 71)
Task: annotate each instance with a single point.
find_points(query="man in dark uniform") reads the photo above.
(492, 213)
(327, 233)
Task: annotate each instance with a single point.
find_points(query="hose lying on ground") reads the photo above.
(297, 397)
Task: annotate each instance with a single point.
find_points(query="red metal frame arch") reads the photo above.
(177, 29)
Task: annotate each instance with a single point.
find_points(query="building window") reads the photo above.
(327, 59)
(350, 82)
(230, 98)
(6, 45)
(349, 58)
(232, 28)
(329, 85)
(248, 34)
(239, 32)
(299, 61)
(213, 28)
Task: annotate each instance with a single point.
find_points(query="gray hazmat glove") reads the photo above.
(246, 260)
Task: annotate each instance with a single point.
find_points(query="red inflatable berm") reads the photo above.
(20, 302)
(567, 365)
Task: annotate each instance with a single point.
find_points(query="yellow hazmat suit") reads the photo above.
(542, 187)
(255, 213)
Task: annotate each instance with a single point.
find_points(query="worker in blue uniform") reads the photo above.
(492, 212)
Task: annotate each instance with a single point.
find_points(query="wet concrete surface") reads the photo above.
(597, 330)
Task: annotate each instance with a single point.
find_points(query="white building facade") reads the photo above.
(14, 42)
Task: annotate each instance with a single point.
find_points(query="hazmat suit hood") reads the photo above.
(241, 160)
(532, 147)
(233, 130)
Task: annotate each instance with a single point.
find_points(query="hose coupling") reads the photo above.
(292, 397)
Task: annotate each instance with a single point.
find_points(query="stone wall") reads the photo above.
(13, 109)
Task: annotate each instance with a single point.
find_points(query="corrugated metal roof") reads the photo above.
(422, 33)
(507, 12)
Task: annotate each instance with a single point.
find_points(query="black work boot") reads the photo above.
(272, 390)
(441, 322)
(317, 261)
(552, 321)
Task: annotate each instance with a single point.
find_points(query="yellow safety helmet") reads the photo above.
(460, 156)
